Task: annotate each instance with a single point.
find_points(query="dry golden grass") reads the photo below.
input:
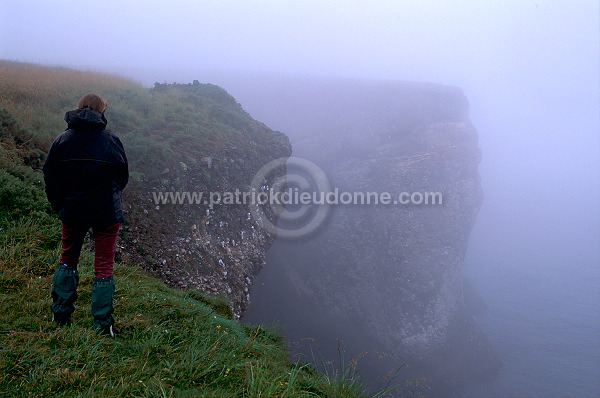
(38, 96)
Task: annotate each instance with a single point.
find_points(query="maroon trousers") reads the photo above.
(105, 239)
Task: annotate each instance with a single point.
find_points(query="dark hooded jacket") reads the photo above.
(86, 170)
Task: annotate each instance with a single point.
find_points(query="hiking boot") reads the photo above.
(110, 330)
(62, 319)
(64, 294)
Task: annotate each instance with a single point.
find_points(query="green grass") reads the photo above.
(175, 343)
(160, 126)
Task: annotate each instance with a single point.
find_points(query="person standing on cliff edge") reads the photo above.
(85, 173)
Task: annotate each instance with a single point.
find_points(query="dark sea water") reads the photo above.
(545, 326)
(538, 270)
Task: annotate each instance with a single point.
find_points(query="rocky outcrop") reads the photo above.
(214, 247)
(386, 277)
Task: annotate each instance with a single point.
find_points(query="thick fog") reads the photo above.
(530, 70)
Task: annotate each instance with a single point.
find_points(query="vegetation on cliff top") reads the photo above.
(175, 343)
(160, 127)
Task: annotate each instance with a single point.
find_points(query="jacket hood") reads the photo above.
(85, 117)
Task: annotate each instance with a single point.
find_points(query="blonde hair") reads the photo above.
(93, 101)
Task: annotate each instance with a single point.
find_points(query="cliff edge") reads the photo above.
(179, 223)
(384, 277)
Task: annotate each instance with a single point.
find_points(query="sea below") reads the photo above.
(543, 318)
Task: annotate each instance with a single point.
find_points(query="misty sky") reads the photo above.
(529, 68)
(446, 41)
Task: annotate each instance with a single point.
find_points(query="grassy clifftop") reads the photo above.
(160, 127)
(175, 342)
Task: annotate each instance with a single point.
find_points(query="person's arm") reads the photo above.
(122, 177)
(51, 179)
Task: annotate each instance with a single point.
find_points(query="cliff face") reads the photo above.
(394, 271)
(387, 277)
(214, 247)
